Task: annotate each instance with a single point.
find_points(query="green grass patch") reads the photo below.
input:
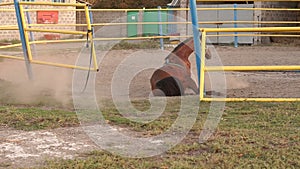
(147, 44)
(158, 126)
(249, 135)
(10, 42)
(126, 45)
(14, 41)
(29, 118)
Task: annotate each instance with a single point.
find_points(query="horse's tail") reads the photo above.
(171, 86)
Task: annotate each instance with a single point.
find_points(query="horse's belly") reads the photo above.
(169, 71)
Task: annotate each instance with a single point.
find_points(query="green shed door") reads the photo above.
(153, 29)
(132, 16)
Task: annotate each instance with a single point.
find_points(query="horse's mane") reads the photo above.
(181, 44)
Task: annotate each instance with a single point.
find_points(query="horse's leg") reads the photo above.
(192, 85)
(208, 54)
(153, 85)
(157, 92)
(170, 86)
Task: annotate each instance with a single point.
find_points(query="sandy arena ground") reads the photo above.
(55, 83)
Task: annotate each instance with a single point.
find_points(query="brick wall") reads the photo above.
(101, 17)
(279, 16)
(9, 18)
(109, 31)
(271, 16)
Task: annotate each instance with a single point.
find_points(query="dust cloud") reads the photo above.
(50, 85)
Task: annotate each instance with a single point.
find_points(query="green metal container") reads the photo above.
(132, 17)
(153, 29)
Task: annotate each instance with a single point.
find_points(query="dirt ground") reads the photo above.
(52, 87)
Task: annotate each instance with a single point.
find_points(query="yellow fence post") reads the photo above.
(25, 33)
(203, 46)
(90, 36)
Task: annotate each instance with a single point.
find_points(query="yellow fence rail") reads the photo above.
(166, 23)
(6, 3)
(168, 9)
(247, 0)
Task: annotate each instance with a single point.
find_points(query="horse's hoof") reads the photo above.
(213, 93)
(157, 92)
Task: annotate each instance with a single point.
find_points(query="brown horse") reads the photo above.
(174, 77)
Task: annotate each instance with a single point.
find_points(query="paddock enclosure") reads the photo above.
(255, 57)
(162, 25)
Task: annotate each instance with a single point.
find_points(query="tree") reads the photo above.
(129, 4)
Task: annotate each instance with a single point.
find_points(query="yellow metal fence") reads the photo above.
(28, 28)
(242, 68)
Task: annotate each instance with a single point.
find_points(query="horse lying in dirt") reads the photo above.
(174, 77)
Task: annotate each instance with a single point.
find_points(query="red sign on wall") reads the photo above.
(47, 17)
